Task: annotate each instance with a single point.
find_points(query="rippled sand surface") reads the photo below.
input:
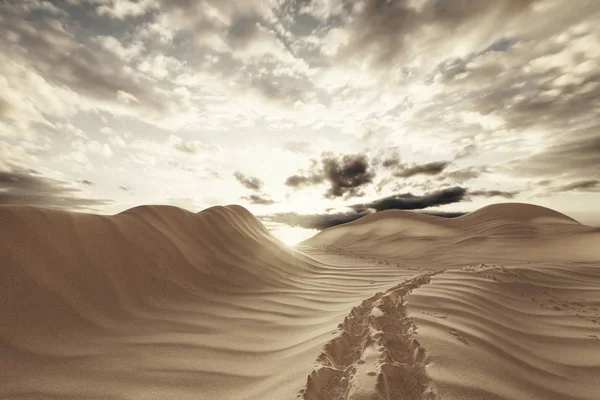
(161, 303)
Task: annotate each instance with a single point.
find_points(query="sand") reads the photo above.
(161, 303)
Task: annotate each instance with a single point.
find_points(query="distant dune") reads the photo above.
(161, 303)
(485, 234)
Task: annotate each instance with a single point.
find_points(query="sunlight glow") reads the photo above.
(293, 235)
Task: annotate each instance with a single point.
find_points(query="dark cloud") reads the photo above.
(26, 186)
(255, 185)
(588, 185)
(298, 181)
(258, 200)
(432, 168)
(391, 161)
(388, 157)
(462, 175)
(248, 182)
(493, 193)
(86, 182)
(125, 188)
(345, 174)
(409, 201)
(314, 221)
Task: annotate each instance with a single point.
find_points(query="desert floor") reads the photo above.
(161, 303)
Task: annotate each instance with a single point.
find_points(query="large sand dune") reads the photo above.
(161, 303)
(512, 310)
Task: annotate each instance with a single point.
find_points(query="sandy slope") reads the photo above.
(512, 311)
(523, 332)
(160, 303)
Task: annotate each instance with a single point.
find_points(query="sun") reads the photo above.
(293, 235)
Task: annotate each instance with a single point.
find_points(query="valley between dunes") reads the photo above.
(161, 303)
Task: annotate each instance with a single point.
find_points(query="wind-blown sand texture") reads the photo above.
(161, 303)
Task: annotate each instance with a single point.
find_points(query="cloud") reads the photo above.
(345, 174)
(298, 181)
(93, 147)
(314, 221)
(121, 9)
(467, 151)
(493, 193)
(431, 168)
(258, 200)
(462, 175)
(26, 186)
(409, 201)
(393, 161)
(384, 33)
(297, 146)
(248, 182)
(578, 157)
(46, 42)
(387, 159)
(56, 67)
(515, 82)
(390, 162)
(192, 146)
(588, 185)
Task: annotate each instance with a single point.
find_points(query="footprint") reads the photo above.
(457, 334)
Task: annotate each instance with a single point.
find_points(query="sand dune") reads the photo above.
(484, 235)
(512, 310)
(161, 303)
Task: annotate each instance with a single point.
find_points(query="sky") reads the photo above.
(308, 113)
